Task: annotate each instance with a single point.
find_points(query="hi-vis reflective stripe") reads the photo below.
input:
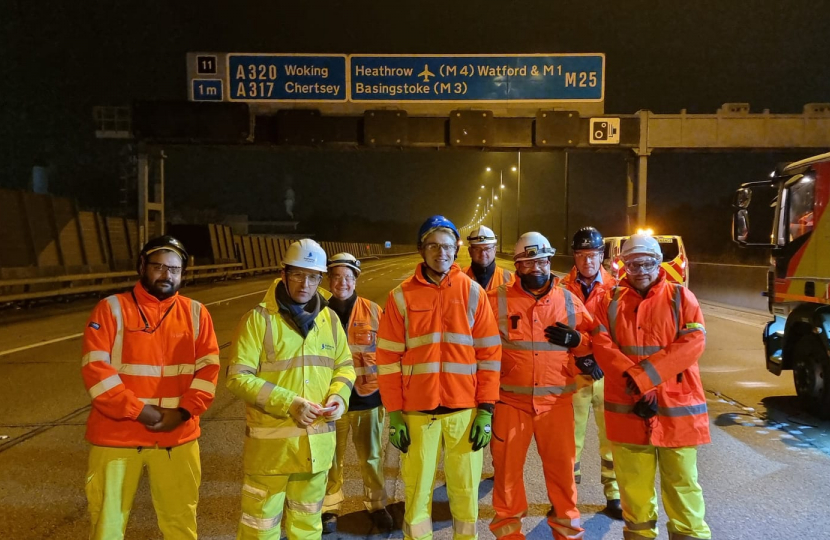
(490, 341)
(420, 341)
(145, 370)
(261, 524)
(374, 316)
(118, 342)
(645, 350)
(506, 274)
(335, 322)
(536, 391)
(263, 397)
(435, 367)
(465, 528)
(676, 296)
(569, 308)
(95, 356)
(489, 365)
(203, 385)
(306, 508)
(107, 384)
(288, 432)
(392, 346)
(362, 348)
(416, 530)
(508, 528)
(472, 303)
(542, 346)
(598, 328)
(389, 369)
(564, 526)
(501, 295)
(397, 294)
(297, 362)
(254, 490)
(165, 402)
(673, 412)
(236, 369)
(207, 360)
(268, 340)
(195, 312)
(612, 313)
(366, 370)
(644, 526)
(651, 371)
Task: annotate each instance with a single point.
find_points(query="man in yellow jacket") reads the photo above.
(290, 362)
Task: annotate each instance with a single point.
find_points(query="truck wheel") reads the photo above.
(811, 371)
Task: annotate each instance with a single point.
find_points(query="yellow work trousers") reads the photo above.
(112, 480)
(265, 496)
(591, 396)
(462, 469)
(367, 432)
(636, 468)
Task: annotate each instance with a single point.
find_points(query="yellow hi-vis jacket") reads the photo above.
(270, 364)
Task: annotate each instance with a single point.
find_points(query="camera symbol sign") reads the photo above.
(604, 131)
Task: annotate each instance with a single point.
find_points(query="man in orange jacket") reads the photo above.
(150, 364)
(542, 326)
(438, 368)
(589, 282)
(648, 337)
(482, 247)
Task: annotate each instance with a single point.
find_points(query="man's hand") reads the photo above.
(336, 414)
(589, 366)
(398, 432)
(150, 415)
(170, 420)
(647, 406)
(481, 431)
(303, 411)
(563, 335)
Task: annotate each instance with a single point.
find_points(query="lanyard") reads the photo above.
(144, 318)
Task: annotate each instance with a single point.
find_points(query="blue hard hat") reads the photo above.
(436, 222)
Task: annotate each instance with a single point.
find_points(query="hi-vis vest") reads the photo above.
(535, 373)
(362, 332)
(438, 345)
(499, 278)
(657, 341)
(270, 364)
(171, 361)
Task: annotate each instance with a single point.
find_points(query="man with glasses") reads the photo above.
(291, 365)
(360, 318)
(150, 364)
(589, 282)
(542, 326)
(648, 337)
(482, 248)
(438, 369)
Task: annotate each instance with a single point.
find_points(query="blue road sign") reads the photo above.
(285, 77)
(207, 90)
(480, 78)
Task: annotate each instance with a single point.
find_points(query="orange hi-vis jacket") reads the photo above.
(534, 372)
(171, 361)
(597, 293)
(438, 345)
(500, 277)
(362, 333)
(657, 340)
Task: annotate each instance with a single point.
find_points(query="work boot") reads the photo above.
(613, 509)
(382, 520)
(329, 523)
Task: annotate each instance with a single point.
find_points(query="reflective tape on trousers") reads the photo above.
(261, 524)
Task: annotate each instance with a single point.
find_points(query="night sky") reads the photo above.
(60, 59)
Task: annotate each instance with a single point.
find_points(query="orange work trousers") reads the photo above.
(512, 433)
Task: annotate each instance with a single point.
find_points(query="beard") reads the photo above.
(161, 289)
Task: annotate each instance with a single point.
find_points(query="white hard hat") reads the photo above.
(345, 259)
(305, 254)
(641, 244)
(481, 235)
(532, 245)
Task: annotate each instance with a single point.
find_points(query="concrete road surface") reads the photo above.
(764, 475)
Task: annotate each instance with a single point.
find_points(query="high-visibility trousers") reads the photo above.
(264, 497)
(462, 470)
(367, 433)
(512, 433)
(112, 480)
(592, 395)
(682, 496)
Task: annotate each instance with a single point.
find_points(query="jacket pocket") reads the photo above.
(679, 385)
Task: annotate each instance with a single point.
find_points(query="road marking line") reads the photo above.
(73, 336)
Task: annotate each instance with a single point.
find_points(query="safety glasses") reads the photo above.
(641, 266)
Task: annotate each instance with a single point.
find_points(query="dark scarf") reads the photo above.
(301, 315)
(484, 274)
(343, 308)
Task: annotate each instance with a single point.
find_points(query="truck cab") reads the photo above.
(785, 213)
(675, 263)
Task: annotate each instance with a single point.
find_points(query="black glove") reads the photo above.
(647, 406)
(563, 335)
(589, 366)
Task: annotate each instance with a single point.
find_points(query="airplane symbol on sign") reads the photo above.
(426, 73)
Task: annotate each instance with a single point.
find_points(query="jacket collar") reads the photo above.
(555, 283)
(455, 270)
(656, 288)
(148, 301)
